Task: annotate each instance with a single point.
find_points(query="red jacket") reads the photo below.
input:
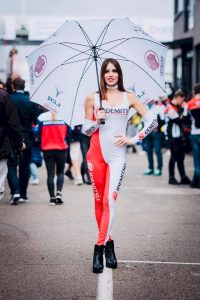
(53, 132)
(193, 107)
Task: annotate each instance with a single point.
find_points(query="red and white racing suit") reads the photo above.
(107, 162)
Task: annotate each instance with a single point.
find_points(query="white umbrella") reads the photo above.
(64, 68)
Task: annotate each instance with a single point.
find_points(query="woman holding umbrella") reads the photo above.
(106, 157)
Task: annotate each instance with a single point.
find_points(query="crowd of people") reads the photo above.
(30, 135)
(178, 131)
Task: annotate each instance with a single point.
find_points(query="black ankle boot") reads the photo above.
(98, 259)
(111, 261)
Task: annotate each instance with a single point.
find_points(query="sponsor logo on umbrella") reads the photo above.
(139, 94)
(139, 29)
(32, 74)
(58, 92)
(162, 66)
(53, 100)
(152, 60)
(40, 65)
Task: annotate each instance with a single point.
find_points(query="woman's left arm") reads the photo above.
(149, 119)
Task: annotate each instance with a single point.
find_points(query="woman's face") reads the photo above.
(111, 76)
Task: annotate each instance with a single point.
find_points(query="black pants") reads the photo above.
(55, 163)
(177, 155)
(18, 185)
(85, 145)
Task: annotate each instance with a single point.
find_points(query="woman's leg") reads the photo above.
(50, 166)
(60, 157)
(114, 176)
(97, 169)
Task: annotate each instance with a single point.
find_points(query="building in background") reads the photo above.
(186, 44)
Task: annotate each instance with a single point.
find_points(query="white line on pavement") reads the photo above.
(105, 285)
(159, 190)
(159, 262)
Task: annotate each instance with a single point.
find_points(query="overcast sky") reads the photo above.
(155, 16)
(90, 8)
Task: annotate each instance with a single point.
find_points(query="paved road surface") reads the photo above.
(46, 252)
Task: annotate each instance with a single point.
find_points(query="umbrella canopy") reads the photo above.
(64, 68)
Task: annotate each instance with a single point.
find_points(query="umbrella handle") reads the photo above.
(102, 121)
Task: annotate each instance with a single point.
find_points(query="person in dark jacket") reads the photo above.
(175, 114)
(28, 113)
(10, 134)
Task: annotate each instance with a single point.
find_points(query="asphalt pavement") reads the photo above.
(46, 252)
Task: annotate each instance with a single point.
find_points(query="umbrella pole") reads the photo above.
(95, 60)
(100, 100)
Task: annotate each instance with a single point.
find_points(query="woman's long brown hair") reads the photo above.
(103, 71)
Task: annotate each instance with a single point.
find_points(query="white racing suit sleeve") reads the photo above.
(150, 123)
(89, 127)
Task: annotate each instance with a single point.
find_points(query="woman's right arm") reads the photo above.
(90, 125)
